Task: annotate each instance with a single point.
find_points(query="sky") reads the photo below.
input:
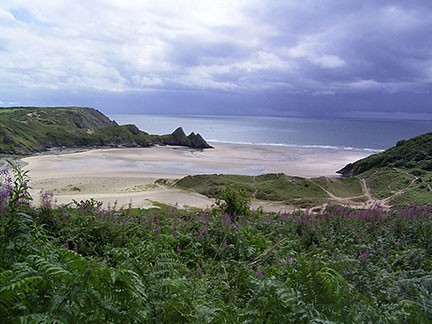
(241, 57)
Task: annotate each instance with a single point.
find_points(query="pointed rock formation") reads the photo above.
(178, 137)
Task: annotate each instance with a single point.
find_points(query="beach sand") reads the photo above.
(128, 174)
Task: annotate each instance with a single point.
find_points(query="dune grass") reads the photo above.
(273, 187)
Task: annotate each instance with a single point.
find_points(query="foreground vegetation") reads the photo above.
(81, 263)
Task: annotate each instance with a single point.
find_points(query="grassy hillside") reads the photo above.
(25, 130)
(401, 175)
(398, 186)
(295, 191)
(413, 153)
(389, 186)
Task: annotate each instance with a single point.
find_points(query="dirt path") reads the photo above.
(337, 198)
(365, 193)
(256, 190)
(408, 187)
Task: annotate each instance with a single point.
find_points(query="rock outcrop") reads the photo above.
(346, 171)
(178, 137)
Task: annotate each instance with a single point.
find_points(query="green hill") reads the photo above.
(295, 191)
(413, 153)
(25, 130)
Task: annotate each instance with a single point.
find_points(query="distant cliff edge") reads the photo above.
(26, 130)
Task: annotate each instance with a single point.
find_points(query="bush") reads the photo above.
(236, 201)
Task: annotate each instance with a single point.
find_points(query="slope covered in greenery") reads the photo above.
(279, 187)
(25, 130)
(81, 263)
(413, 153)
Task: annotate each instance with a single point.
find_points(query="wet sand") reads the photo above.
(128, 174)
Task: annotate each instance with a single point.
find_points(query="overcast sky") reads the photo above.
(291, 57)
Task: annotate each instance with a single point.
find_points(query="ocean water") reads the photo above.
(366, 134)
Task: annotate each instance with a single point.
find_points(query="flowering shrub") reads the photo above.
(47, 199)
(5, 189)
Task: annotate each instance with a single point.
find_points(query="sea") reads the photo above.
(338, 133)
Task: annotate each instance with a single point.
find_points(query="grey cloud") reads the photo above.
(255, 57)
(192, 52)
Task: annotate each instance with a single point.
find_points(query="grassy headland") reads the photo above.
(415, 153)
(25, 130)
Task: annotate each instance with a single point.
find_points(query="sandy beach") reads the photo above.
(128, 174)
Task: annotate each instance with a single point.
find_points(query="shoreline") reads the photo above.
(128, 174)
(305, 146)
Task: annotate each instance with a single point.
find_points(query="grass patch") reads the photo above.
(340, 187)
(385, 182)
(418, 195)
(273, 187)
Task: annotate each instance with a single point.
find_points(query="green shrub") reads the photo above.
(236, 201)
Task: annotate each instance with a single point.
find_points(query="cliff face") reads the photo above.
(25, 130)
(413, 153)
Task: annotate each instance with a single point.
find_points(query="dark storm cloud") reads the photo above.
(213, 57)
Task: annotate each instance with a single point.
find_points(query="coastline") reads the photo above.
(128, 174)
